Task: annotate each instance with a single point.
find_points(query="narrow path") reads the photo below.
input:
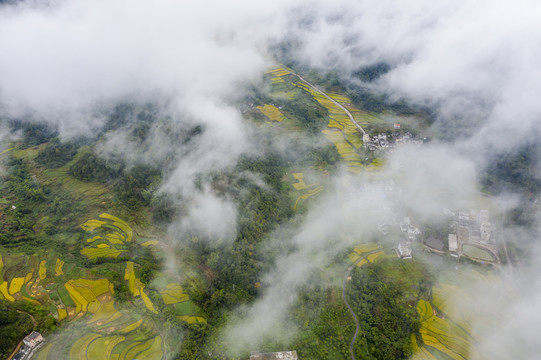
(31, 317)
(315, 88)
(346, 275)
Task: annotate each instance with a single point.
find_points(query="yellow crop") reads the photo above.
(94, 253)
(272, 112)
(147, 301)
(105, 314)
(4, 291)
(91, 225)
(80, 302)
(42, 270)
(131, 327)
(373, 257)
(28, 277)
(16, 285)
(129, 270)
(154, 351)
(115, 238)
(93, 239)
(134, 350)
(58, 267)
(173, 294)
(193, 319)
(101, 349)
(78, 350)
(62, 313)
(150, 242)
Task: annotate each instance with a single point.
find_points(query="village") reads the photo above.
(468, 233)
(390, 142)
(29, 345)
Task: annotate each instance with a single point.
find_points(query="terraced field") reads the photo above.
(341, 131)
(360, 250)
(109, 330)
(442, 335)
(304, 191)
(272, 112)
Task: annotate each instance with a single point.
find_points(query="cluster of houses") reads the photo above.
(410, 234)
(470, 227)
(30, 343)
(384, 142)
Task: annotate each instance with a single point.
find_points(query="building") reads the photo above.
(404, 250)
(33, 339)
(30, 343)
(453, 245)
(283, 355)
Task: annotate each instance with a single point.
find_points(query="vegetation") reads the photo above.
(16, 322)
(86, 238)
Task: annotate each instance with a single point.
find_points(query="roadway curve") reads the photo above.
(335, 102)
(346, 275)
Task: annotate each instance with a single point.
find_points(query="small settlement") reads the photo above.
(30, 343)
(385, 142)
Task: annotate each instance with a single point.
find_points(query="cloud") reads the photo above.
(476, 63)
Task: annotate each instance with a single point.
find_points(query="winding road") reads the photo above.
(315, 88)
(346, 275)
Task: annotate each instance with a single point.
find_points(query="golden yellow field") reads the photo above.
(131, 327)
(115, 238)
(16, 285)
(147, 301)
(272, 112)
(62, 313)
(78, 350)
(443, 334)
(58, 267)
(121, 224)
(150, 242)
(101, 348)
(42, 270)
(93, 224)
(307, 195)
(4, 291)
(94, 253)
(173, 294)
(193, 319)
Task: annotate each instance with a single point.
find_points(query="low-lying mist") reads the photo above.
(474, 65)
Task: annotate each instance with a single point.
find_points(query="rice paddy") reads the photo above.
(360, 251)
(173, 294)
(193, 319)
(442, 334)
(42, 270)
(85, 293)
(272, 112)
(150, 242)
(307, 195)
(277, 74)
(16, 285)
(341, 131)
(58, 267)
(131, 327)
(102, 348)
(95, 253)
(4, 291)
